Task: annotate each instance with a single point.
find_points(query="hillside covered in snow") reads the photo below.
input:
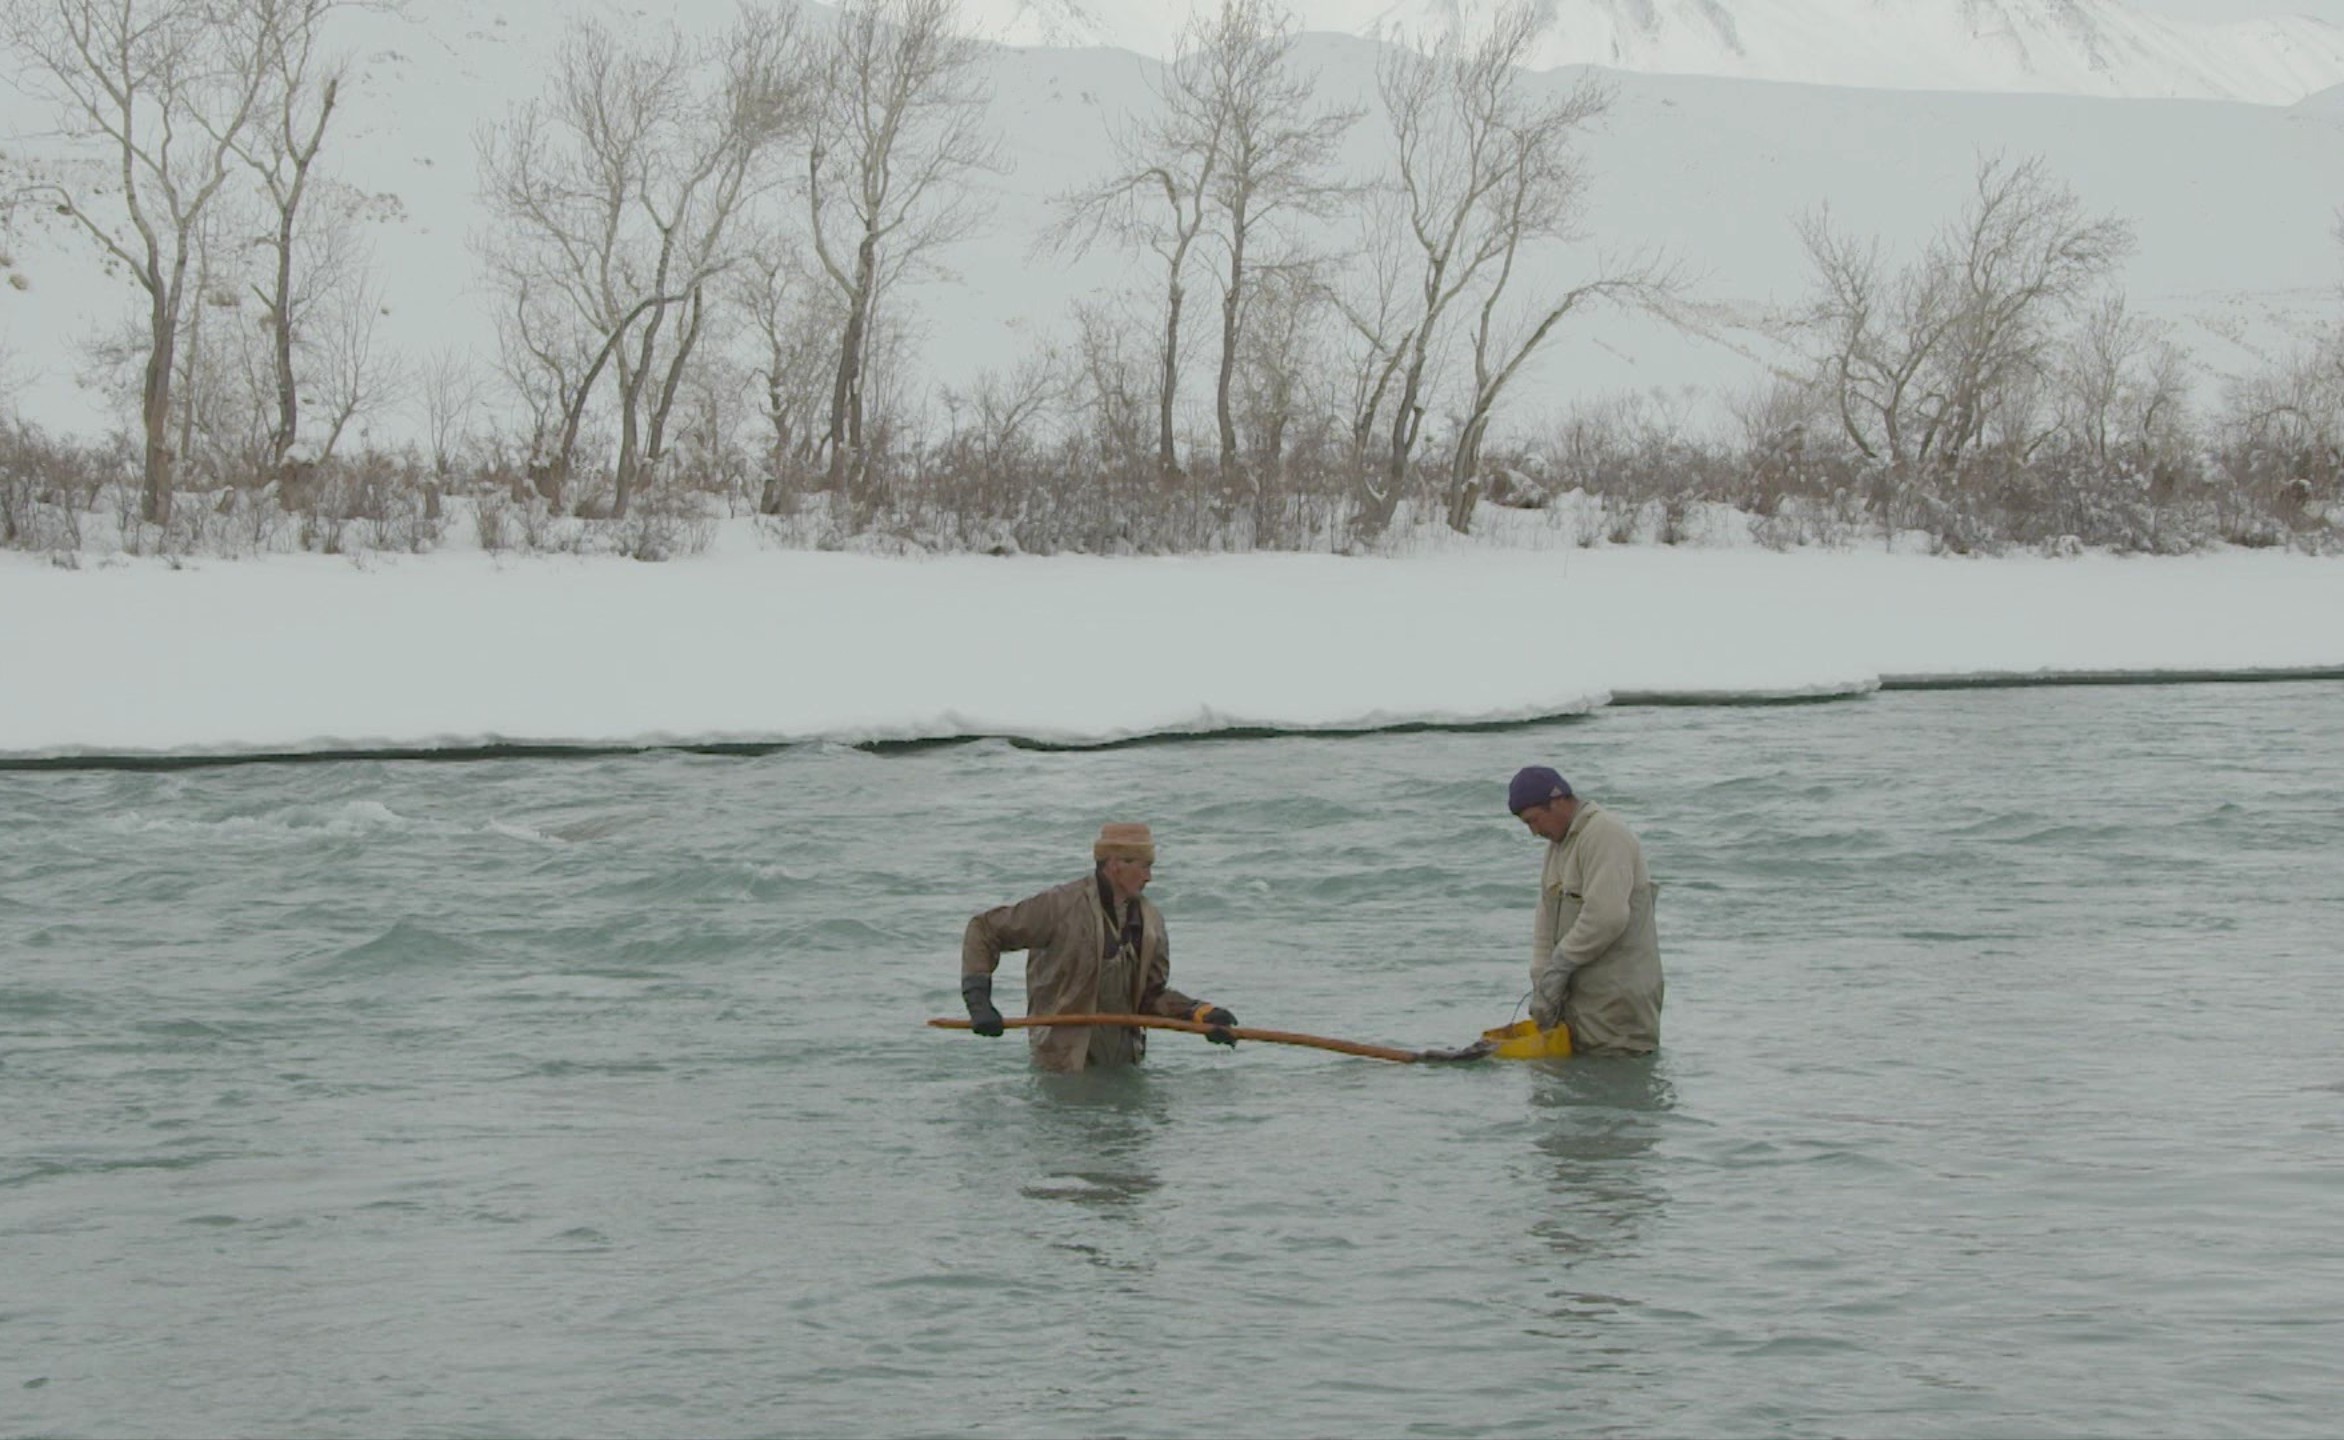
(2233, 204)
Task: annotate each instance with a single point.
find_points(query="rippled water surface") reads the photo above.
(2001, 1093)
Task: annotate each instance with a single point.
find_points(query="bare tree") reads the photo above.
(213, 424)
(1113, 387)
(2285, 422)
(1006, 407)
(353, 378)
(1232, 139)
(1502, 345)
(449, 391)
(2026, 256)
(548, 358)
(618, 198)
(1376, 313)
(1921, 364)
(1279, 146)
(794, 364)
(2123, 389)
(897, 128)
(1485, 166)
(715, 403)
(282, 149)
(157, 94)
(1871, 342)
(1280, 378)
(1158, 201)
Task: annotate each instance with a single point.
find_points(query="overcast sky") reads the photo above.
(2331, 11)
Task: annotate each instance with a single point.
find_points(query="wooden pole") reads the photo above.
(1242, 1032)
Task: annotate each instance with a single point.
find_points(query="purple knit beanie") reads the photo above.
(1535, 785)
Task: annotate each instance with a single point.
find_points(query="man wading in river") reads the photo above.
(1092, 945)
(1595, 959)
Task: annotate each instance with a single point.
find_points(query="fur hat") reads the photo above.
(1118, 841)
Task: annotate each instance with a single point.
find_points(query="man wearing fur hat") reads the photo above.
(1092, 945)
(1595, 958)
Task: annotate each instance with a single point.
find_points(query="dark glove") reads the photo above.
(976, 991)
(1219, 1019)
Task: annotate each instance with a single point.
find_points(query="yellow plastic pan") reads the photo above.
(1523, 1040)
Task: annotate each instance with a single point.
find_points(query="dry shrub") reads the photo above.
(374, 502)
(46, 489)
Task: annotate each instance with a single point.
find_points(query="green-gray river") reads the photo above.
(2001, 1090)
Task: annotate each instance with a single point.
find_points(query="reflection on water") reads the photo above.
(1073, 1158)
(1596, 1123)
(1087, 1137)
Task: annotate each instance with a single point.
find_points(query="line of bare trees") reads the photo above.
(702, 255)
(1486, 167)
(773, 178)
(776, 181)
(673, 217)
(649, 189)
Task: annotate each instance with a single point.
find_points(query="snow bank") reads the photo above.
(301, 654)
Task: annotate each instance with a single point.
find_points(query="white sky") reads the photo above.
(2331, 11)
(747, 644)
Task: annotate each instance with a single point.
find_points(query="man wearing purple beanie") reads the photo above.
(1595, 956)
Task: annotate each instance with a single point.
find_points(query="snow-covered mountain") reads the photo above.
(2067, 47)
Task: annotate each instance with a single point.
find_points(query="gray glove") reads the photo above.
(1546, 999)
(976, 992)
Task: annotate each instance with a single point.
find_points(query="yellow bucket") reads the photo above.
(1523, 1040)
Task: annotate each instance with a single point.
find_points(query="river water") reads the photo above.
(2001, 1091)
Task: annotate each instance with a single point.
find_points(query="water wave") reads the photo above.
(407, 948)
(351, 819)
(348, 820)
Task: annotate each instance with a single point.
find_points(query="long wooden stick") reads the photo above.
(1242, 1032)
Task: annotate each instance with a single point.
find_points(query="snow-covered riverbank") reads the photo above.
(745, 645)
